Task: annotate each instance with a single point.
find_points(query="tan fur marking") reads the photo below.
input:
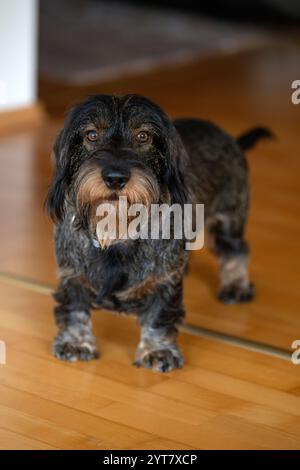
(148, 286)
(154, 342)
(234, 270)
(92, 191)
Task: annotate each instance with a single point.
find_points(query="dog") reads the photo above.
(126, 145)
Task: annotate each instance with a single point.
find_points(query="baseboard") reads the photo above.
(21, 118)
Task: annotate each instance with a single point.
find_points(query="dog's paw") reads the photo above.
(71, 349)
(233, 294)
(163, 360)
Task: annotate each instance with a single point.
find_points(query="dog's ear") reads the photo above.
(55, 199)
(176, 169)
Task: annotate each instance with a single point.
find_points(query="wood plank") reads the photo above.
(224, 397)
(21, 118)
(15, 441)
(61, 437)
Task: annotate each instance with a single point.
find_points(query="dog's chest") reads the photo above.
(116, 269)
(120, 276)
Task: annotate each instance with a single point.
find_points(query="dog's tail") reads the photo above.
(249, 138)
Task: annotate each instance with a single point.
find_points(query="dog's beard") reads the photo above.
(93, 196)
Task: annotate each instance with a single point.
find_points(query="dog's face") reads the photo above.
(116, 146)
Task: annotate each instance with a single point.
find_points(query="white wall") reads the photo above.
(18, 53)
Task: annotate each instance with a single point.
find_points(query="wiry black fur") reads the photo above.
(192, 161)
(249, 138)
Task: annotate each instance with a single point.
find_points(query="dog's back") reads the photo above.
(218, 170)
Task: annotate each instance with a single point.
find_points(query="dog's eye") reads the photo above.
(92, 135)
(143, 137)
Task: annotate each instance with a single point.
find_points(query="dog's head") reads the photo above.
(116, 146)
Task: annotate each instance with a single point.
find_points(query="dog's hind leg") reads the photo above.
(227, 242)
(75, 339)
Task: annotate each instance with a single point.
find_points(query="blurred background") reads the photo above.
(85, 42)
(232, 62)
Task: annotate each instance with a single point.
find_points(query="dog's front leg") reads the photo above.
(158, 348)
(75, 339)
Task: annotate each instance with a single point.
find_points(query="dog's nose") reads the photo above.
(115, 179)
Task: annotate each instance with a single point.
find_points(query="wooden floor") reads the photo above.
(226, 396)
